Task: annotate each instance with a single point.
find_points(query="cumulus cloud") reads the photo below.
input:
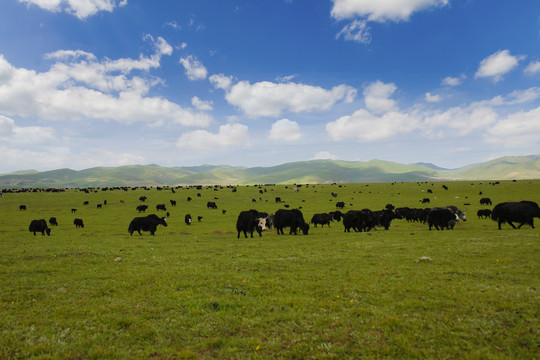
(517, 130)
(479, 117)
(381, 10)
(201, 104)
(377, 97)
(462, 119)
(12, 134)
(453, 81)
(357, 31)
(515, 97)
(80, 8)
(433, 98)
(221, 81)
(533, 68)
(195, 70)
(497, 64)
(286, 130)
(365, 126)
(325, 155)
(227, 135)
(271, 99)
(78, 86)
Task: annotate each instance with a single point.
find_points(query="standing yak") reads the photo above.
(322, 219)
(146, 223)
(442, 218)
(250, 221)
(292, 218)
(39, 226)
(522, 212)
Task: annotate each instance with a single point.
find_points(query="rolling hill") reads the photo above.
(314, 171)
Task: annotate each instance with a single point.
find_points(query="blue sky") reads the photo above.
(87, 83)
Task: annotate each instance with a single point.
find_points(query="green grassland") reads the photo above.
(198, 292)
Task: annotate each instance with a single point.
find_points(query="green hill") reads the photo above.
(314, 171)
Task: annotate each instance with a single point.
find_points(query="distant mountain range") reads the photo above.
(301, 172)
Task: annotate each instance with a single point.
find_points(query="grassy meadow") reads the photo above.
(198, 292)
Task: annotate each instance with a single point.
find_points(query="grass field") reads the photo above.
(198, 292)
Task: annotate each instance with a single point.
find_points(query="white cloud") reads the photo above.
(462, 119)
(228, 135)
(78, 86)
(283, 79)
(533, 68)
(368, 127)
(478, 117)
(433, 98)
(325, 155)
(515, 97)
(358, 31)
(221, 81)
(497, 64)
(201, 104)
(24, 135)
(80, 8)
(381, 10)
(453, 81)
(70, 54)
(377, 97)
(271, 99)
(173, 24)
(285, 129)
(518, 130)
(195, 70)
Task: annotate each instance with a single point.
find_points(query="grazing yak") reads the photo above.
(522, 212)
(211, 205)
(142, 208)
(53, 221)
(442, 218)
(187, 219)
(335, 215)
(161, 207)
(78, 223)
(359, 220)
(250, 221)
(485, 201)
(39, 226)
(322, 219)
(460, 214)
(146, 223)
(483, 213)
(22, 207)
(292, 218)
(340, 204)
(384, 218)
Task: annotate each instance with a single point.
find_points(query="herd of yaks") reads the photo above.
(522, 213)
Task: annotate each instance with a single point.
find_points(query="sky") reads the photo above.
(87, 83)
